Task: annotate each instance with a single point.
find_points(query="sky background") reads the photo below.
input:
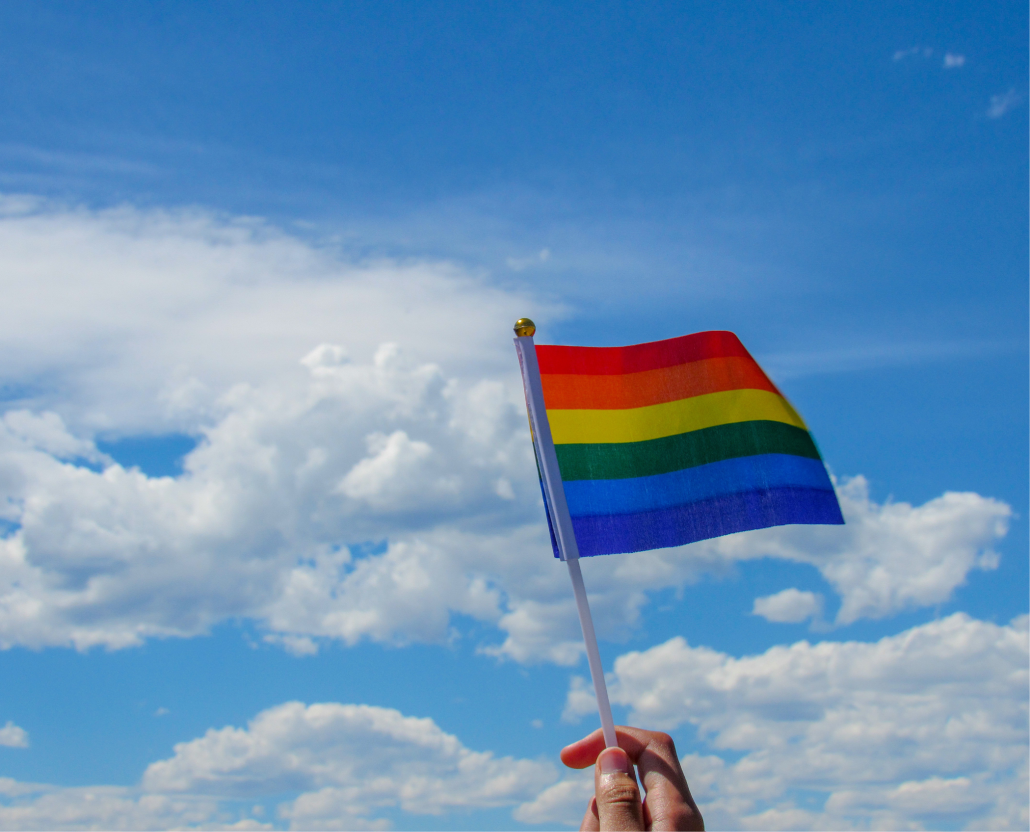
(272, 551)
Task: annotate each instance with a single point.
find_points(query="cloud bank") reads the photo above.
(924, 729)
(364, 470)
(345, 765)
(364, 473)
(269, 519)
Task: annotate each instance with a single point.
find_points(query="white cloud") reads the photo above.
(921, 728)
(886, 559)
(14, 737)
(345, 764)
(952, 60)
(140, 320)
(395, 469)
(47, 432)
(789, 606)
(921, 51)
(564, 802)
(112, 807)
(890, 557)
(1002, 103)
(260, 523)
(313, 448)
(361, 756)
(364, 472)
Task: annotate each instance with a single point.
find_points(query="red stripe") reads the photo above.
(598, 361)
(669, 384)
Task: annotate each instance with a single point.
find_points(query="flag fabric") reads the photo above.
(670, 442)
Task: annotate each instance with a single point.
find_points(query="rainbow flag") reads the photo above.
(670, 442)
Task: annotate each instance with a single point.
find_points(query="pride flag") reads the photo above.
(670, 442)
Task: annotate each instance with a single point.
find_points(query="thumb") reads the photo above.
(618, 797)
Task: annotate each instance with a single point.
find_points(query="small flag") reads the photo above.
(670, 442)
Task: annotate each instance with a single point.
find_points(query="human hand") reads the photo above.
(616, 804)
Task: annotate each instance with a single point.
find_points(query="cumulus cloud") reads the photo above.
(564, 802)
(269, 517)
(953, 61)
(887, 558)
(346, 759)
(789, 606)
(265, 510)
(14, 737)
(916, 730)
(893, 556)
(346, 764)
(363, 471)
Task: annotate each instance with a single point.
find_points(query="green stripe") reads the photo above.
(685, 450)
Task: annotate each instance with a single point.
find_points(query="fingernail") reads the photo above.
(613, 760)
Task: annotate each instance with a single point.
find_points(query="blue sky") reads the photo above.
(222, 494)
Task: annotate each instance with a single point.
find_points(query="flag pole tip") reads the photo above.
(524, 327)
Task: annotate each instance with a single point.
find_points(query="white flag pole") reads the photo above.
(561, 520)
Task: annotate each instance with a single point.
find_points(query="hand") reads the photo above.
(616, 804)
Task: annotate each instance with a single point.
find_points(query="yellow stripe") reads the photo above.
(637, 424)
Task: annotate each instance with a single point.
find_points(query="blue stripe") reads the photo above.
(690, 485)
(676, 526)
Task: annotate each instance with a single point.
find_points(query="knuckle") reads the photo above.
(685, 818)
(621, 792)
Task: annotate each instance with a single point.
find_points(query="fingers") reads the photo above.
(583, 753)
(633, 741)
(591, 822)
(668, 804)
(617, 796)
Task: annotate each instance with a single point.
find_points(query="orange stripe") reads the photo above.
(669, 384)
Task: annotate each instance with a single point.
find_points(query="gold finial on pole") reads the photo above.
(524, 326)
